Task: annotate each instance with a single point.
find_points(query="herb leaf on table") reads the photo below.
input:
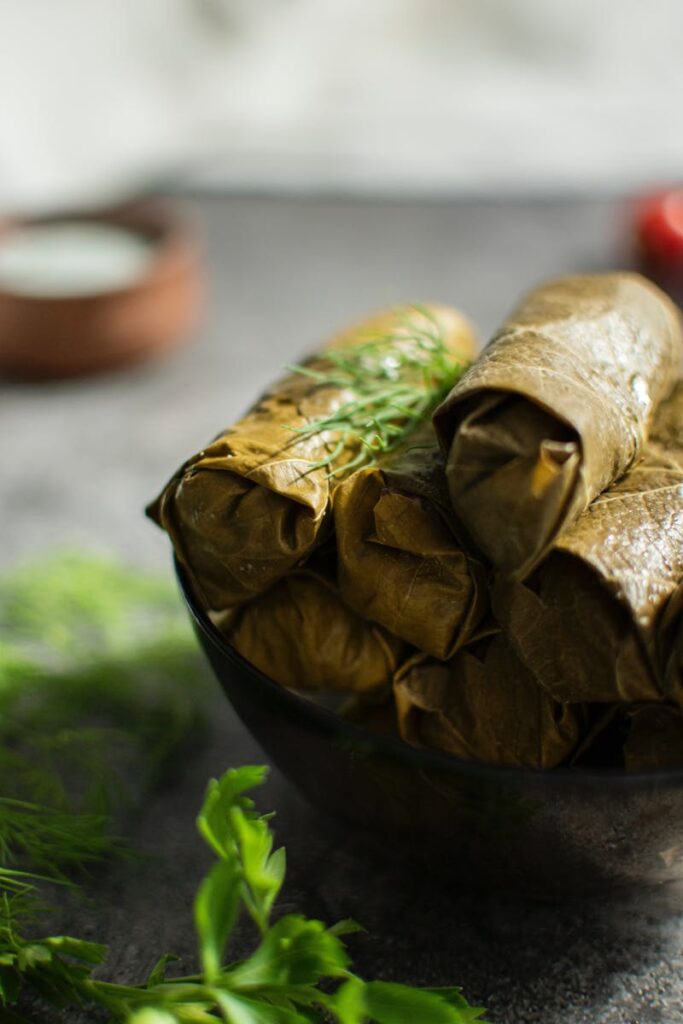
(88, 645)
(299, 972)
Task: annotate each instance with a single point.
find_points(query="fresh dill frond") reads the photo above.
(95, 660)
(395, 381)
(50, 841)
(100, 685)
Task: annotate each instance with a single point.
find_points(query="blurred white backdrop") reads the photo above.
(102, 97)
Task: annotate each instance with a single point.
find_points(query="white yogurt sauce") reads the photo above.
(71, 258)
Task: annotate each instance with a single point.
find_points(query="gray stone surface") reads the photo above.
(79, 461)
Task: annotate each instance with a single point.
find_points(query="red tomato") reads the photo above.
(659, 230)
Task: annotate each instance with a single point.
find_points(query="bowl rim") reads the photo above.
(398, 749)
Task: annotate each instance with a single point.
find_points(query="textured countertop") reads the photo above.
(79, 461)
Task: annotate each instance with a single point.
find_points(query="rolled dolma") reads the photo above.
(482, 705)
(400, 563)
(256, 501)
(302, 635)
(558, 407)
(586, 623)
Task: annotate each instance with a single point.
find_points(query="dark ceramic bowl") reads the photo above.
(548, 834)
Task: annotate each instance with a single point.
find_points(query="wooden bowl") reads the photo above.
(48, 336)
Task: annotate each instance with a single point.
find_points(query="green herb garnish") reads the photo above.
(94, 665)
(94, 704)
(300, 971)
(397, 381)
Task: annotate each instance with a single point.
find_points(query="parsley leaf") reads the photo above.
(299, 973)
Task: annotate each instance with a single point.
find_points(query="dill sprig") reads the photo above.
(40, 845)
(95, 660)
(49, 840)
(94, 701)
(94, 704)
(396, 379)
